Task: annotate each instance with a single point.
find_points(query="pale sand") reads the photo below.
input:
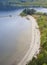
(35, 43)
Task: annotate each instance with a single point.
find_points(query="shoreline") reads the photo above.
(35, 43)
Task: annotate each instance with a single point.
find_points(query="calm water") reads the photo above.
(15, 37)
(43, 10)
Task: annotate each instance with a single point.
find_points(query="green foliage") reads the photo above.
(44, 64)
(37, 3)
(40, 13)
(28, 12)
(23, 14)
(42, 57)
(42, 22)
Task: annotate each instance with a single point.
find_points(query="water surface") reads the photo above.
(15, 36)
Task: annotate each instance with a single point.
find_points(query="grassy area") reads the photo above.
(42, 57)
(41, 19)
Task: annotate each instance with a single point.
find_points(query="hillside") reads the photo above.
(24, 2)
(43, 1)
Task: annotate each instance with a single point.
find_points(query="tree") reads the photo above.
(29, 11)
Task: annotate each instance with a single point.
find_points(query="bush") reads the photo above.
(28, 12)
(42, 57)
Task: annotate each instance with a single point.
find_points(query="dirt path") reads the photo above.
(35, 43)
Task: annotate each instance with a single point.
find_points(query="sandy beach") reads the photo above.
(35, 42)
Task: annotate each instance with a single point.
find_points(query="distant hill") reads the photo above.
(24, 2)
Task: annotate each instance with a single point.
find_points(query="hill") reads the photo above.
(24, 2)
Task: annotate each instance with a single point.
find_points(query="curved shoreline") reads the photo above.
(35, 43)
